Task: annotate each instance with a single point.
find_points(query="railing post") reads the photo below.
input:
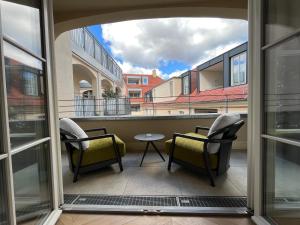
(117, 106)
(189, 104)
(83, 32)
(94, 45)
(152, 108)
(226, 104)
(83, 108)
(94, 101)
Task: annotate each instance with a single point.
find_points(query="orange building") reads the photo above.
(137, 85)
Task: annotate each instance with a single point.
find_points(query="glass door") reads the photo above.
(281, 116)
(25, 154)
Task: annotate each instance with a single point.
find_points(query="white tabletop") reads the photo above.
(149, 137)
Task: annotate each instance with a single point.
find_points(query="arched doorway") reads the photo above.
(84, 80)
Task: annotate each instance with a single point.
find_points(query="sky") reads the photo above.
(171, 46)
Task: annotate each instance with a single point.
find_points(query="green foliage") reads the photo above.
(110, 94)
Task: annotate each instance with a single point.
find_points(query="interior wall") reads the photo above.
(211, 80)
(126, 129)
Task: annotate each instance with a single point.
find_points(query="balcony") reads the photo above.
(153, 178)
(85, 45)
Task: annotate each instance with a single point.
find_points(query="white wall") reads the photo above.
(165, 91)
(211, 80)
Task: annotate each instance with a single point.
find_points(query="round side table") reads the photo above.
(150, 139)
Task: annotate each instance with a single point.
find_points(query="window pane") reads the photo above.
(25, 96)
(32, 184)
(243, 68)
(21, 22)
(282, 182)
(234, 70)
(282, 18)
(145, 80)
(186, 85)
(282, 90)
(3, 203)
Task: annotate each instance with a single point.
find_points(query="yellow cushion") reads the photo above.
(191, 151)
(99, 150)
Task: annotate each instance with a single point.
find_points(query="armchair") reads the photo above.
(208, 153)
(90, 153)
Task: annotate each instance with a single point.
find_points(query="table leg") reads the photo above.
(145, 152)
(157, 150)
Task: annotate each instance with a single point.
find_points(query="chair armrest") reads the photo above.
(189, 137)
(67, 133)
(222, 141)
(89, 138)
(97, 129)
(201, 128)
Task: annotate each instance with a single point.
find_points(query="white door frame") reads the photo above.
(255, 196)
(47, 25)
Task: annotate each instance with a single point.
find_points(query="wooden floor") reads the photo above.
(93, 219)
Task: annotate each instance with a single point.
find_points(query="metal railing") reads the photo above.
(158, 106)
(85, 40)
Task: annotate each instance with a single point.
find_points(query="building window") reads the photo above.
(30, 84)
(239, 69)
(205, 111)
(148, 97)
(181, 112)
(135, 108)
(145, 80)
(133, 80)
(186, 85)
(135, 94)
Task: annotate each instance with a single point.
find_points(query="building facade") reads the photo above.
(86, 72)
(29, 172)
(137, 86)
(216, 86)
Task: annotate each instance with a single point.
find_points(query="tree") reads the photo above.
(109, 94)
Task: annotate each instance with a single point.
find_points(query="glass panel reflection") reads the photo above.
(282, 90)
(32, 184)
(25, 95)
(282, 18)
(3, 203)
(21, 23)
(282, 182)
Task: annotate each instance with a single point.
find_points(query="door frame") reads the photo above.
(47, 32)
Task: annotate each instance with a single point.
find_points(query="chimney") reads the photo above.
(154, 73)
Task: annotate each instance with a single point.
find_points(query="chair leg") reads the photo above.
(118, 155)
(172, 148)
(75, 177)
(208, 169)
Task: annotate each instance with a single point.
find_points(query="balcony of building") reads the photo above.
(153, 177)
(86, 46)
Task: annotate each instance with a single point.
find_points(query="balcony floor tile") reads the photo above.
(153, 178)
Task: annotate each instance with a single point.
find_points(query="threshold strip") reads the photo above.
(157, 204)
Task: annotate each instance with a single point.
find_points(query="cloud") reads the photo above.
(129, 68)
(147, 43)
(176, 73)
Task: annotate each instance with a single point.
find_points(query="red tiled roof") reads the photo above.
(221, 94)
(152, 81)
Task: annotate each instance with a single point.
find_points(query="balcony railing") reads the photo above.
(84, 40)
(159, 106)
